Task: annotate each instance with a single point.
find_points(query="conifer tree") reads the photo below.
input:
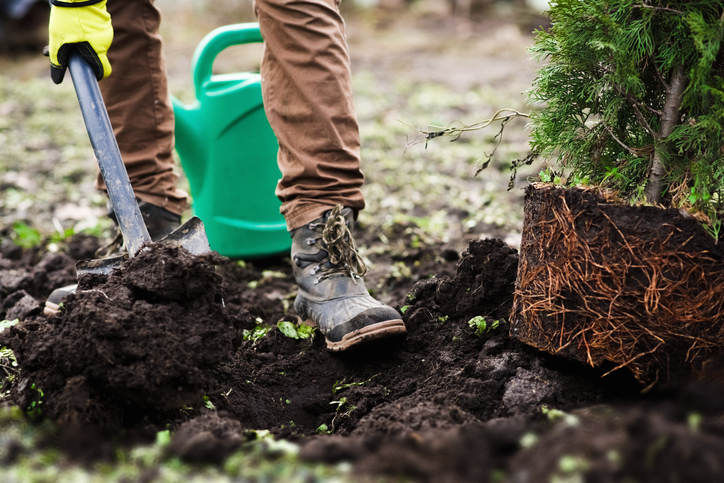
(632, 98)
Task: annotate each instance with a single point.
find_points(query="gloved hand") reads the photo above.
(84, 25)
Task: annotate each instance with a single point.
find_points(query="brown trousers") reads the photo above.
(307, 95)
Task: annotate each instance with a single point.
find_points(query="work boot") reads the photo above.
(332, 293)
(159, 222)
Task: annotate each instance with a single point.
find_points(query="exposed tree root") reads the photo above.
(642, 287)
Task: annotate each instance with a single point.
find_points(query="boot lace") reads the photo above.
(341, 249)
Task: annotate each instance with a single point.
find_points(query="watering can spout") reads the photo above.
(189, 141)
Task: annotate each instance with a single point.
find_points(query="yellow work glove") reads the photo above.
(84, 25)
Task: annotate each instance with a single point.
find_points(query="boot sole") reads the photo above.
(51, 309)
(388, 328)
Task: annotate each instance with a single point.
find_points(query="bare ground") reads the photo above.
(451, 402)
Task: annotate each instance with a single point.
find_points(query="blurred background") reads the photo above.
(414, 62)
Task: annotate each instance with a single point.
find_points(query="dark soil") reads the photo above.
(442, 404)
(128, 347)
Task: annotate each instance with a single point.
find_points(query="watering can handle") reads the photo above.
(214, 43)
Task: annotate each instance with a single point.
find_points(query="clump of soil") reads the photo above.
(209, 437)
(132, 345)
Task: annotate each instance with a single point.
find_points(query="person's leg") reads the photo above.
(307, 89)
(139, 106)
(138, 103)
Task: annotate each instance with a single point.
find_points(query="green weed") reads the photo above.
(481, 325)
(25, 236)
(342, 385)
(33, 411)
(259, 332)
(301, 331)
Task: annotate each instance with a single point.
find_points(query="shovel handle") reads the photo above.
(109, 158)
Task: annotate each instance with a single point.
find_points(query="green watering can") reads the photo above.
(229, 153)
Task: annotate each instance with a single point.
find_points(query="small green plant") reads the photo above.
(568, 464)
(528, 440)
(8, 362)
(342, 385)
(694, 420)
(323, 429)
(555, 415)
(301, 331)
(546, 175)
(25, 236)
(208, 404)
(259, 332)
(342, 401)
(58, 236)
(266, 277)
(400, 271)
(344, 408)
(33, 411)
(8, 323)
(163, 438)
(481, 326)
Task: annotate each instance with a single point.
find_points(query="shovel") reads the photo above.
(191, 235)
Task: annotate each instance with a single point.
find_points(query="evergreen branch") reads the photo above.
(663, 82)
(635, 103)
(651, 7)
(627, 148)
(642, 120)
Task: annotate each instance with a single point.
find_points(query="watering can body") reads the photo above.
(228, 152)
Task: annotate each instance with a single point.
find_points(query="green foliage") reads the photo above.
(481, 327)
(601, 94)
(8, 323)
(163, 438)
(33, 411)
(256, 334)
(342, 385)
(58, 236)
(301, 331)
(555, 415)
(25, 236)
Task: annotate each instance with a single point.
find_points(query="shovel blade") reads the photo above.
(191, 236)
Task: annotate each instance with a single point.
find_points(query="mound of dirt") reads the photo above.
(135, 344)
(441, 375)
(449, 402)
